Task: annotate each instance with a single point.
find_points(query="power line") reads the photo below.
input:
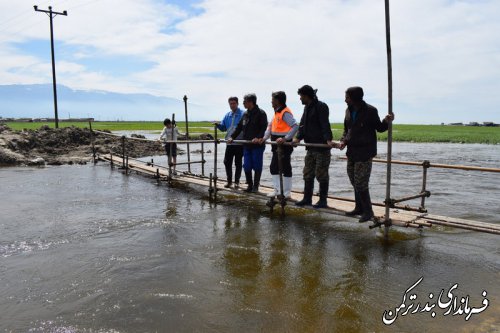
(19, 15)
(51, 15)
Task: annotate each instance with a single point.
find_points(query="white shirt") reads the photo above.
(166, 134)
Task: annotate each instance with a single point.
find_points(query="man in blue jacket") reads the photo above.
(233, 150)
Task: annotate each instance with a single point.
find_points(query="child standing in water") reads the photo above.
(170, 133)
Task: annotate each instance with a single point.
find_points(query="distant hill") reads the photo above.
(36, 101)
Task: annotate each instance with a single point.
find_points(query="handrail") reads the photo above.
(427, 164)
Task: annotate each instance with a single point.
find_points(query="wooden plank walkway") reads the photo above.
(337, 206)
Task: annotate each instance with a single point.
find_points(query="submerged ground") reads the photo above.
(85, 248)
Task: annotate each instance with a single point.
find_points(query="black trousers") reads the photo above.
(233, 152)
(287, 164)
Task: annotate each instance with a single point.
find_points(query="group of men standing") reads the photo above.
(360, 126)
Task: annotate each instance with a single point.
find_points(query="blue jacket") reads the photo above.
(225, 124)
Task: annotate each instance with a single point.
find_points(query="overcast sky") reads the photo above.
(446, 53)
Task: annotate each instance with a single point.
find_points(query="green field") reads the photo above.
(406, 133)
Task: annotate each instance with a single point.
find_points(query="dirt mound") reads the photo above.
(66, 145)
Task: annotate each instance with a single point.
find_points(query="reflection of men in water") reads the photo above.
(235, 150)
(281, 129)
(315, 128)
(360, 126)
(253, 123)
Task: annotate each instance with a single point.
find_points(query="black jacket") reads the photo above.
(314, 125)
(253, 123)
(360, 136)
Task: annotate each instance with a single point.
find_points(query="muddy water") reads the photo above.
(87, 249)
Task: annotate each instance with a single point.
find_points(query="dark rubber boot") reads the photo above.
(323, 194)
(308, 192)
(366, 203)
(248, 176)
(237, 176)
(256, 181)
(357, 209)
(229, 174)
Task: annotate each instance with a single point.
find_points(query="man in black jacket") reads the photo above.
(253, 123)
(315, 128)
(360, 126)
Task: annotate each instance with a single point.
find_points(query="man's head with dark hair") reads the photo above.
(233, 103)
(355, 93)
(167, 122)
(280, 97)
(307, 90)
(250, 100)
(307, 94)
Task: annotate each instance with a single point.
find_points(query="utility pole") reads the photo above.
(51, 14)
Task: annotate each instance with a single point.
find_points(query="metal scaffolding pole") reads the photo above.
(387, 220)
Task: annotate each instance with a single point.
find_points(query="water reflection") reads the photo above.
(154, 258)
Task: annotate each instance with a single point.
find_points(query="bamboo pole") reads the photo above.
(282, 199)
(467, 227)
(387, 221)
(188, 163)
(436, 165)
(203, 159)
(187, 131)
(169, 157)
(424, 182)
(216, 143)
(424, 194)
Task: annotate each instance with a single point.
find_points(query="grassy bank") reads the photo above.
(406, 133)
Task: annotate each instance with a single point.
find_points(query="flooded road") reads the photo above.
(88, 249)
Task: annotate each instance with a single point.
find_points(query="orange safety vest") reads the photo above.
(279, 126)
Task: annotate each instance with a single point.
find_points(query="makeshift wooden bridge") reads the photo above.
(387, 214)
(400, 216)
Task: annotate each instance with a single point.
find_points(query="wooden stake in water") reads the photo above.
(92, 139)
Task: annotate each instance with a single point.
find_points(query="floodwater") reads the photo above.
(88, 249)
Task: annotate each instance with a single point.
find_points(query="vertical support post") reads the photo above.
(216, 142)
(280, 168)
(387, 220)
(92, 139)
(210, 188)
(111, 161)
(426, 164)
(187, 132)
(202, 159)
(158, 175)
(152, 162)
(282, 199)
(123, 151)
(170, 149)
(126, 166)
